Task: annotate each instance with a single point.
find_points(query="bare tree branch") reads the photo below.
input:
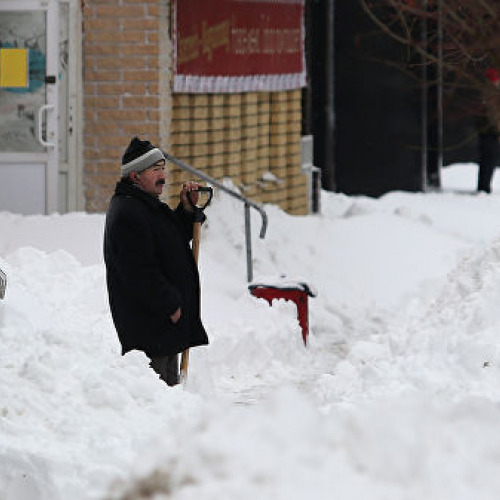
(470, 38)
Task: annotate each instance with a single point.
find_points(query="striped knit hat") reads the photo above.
(139, 156)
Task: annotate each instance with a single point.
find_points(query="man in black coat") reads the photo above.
(152, 278)
(487, 123)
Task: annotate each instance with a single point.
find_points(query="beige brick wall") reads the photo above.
(251, 138)
(121, 88)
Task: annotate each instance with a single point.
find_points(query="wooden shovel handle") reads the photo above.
(196, 252)
(196, 241)
(184, 365)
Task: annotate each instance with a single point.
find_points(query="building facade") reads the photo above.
(106, 72)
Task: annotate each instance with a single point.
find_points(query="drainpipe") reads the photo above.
(329, 146)
(440, 117)
(424, 105)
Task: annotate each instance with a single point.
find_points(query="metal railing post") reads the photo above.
(248, 243)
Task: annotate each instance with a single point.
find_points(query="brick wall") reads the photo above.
(252, 138)
(121, 88)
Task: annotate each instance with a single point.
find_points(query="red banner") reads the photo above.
(238, 45)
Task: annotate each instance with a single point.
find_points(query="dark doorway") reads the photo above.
(371, 109)
(378, 107)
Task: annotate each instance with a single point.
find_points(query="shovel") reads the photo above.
(198, 218)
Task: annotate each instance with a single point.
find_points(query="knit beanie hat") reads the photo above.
(139, 156)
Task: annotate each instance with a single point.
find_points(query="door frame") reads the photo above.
(63, 181)
(50, 156)
(72, 169)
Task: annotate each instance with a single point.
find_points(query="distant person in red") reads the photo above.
(488, 134)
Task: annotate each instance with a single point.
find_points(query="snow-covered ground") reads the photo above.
(397, 395)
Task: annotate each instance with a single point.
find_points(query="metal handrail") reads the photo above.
(248, 204)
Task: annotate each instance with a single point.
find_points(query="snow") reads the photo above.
(395, 397)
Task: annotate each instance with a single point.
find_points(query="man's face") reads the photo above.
(152, 179)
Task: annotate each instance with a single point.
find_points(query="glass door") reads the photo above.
(28, 106)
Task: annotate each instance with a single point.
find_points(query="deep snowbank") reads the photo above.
(396, 396)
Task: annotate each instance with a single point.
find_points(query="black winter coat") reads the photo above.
(151, 272)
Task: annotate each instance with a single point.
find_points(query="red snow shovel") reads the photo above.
(198, 219)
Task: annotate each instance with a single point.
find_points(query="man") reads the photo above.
(152, 278)
(488, 133)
